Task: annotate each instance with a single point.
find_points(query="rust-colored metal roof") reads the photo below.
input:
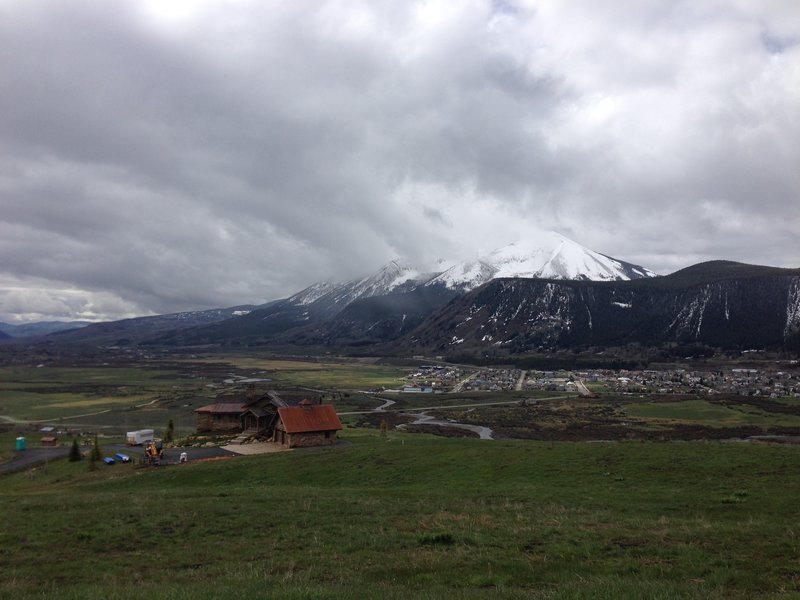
(222, 407)
(303, 419)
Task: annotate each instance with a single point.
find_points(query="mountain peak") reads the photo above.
(543, 255)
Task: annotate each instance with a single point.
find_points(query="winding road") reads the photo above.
(421, 418)
(484, 433)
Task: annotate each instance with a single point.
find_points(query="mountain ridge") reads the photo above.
(37, 328)
(732, 305)
(717, 303)
(137, 329)
(322, 311)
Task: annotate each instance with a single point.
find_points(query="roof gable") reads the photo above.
(304, 419)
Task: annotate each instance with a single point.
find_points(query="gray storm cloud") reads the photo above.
(157, 157)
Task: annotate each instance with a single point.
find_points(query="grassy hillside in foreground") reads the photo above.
(414, 517)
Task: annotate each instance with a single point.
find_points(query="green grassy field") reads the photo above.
(414, 517)
(41, 394)
(330, 375)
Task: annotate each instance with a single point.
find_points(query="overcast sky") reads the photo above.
(171, 155)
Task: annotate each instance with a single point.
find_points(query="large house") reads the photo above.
(271, 417)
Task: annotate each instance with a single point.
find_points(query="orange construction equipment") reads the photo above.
(154, 452)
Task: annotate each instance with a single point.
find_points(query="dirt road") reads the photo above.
(520, 381)
(457, 387)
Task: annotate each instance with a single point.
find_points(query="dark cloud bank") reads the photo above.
(157, 157)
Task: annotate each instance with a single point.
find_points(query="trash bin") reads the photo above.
(20, 445)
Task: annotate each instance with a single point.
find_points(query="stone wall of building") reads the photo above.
(315, 438)
(218, 423)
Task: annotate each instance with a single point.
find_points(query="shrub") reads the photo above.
(74, 451)
(96, 454)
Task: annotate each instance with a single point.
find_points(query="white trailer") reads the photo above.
(137, 438)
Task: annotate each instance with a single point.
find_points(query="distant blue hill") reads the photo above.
(38, 328)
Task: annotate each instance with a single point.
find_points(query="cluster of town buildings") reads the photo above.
(744, 381)
(436, 378)
(741, 381)
(493, 380)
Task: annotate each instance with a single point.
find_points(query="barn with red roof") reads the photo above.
(306, 424)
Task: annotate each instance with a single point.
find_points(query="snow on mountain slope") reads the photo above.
(466, 275)
(313, 293)
(329, 297)
(547, 255)
(392, 276)
(550, 255)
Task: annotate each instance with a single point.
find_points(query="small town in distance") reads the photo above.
(768, 381)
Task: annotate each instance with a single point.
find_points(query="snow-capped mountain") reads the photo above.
(465, 276)
(548, 255)
(396, 297)
(399, 296)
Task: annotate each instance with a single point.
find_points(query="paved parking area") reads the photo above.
(38, 456)
(171, 455)
(33, 457)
